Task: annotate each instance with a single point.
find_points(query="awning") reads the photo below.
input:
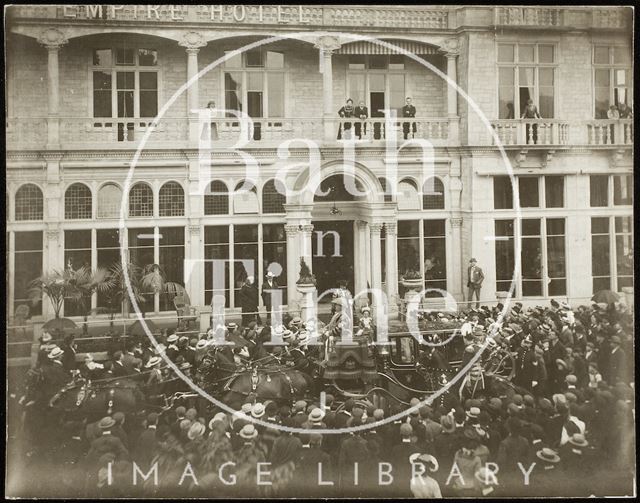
(366, 47)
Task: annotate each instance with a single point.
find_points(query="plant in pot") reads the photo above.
(306, 277)
(412, 279)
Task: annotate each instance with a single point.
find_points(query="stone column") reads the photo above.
(376, 259)
(194, 279)
(455, 281)
(391, 259)
(53, 260)
(192, 41)
(53, 39)
(293, 262)
(451, 51)
(327, 45)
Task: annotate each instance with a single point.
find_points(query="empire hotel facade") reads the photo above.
(85, 82)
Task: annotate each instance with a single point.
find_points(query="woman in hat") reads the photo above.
(468, 464)
(423, 485)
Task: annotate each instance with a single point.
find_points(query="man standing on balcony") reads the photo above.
(346, 112)
(409, 111)
(268, 288)
(531, 112)
(476, 277)
(362, 113)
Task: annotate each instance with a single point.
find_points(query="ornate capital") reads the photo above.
(376, 228)
(291, 230)
(327, 44)
(53, 234)
(194, 230)
(193, 41)
(52, 39)
(307, 228)
(451, 47)
(456, 222)
(391, 228)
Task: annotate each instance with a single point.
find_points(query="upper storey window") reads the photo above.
(254, 82)
(125, 82)
(526, 72)
(612, 78)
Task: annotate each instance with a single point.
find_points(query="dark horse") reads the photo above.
(265, 380)
(95, 399)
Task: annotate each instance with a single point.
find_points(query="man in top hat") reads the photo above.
(248, 300)
(268, 288)
(69, 357)
(474, 282)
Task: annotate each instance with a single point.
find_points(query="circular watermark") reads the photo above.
(247, 126)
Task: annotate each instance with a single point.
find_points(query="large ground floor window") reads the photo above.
(611, 253)
(422, 249)
(248, 250)
(28, 266)
(543, 269)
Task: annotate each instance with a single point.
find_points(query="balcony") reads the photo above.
(539, 17)
(167, 133)
(555, 132)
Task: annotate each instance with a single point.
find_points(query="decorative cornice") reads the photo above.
(52, 39)
(53, 234)
(451, 47)
(192, 41)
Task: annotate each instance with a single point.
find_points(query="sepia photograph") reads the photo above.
(319, 251)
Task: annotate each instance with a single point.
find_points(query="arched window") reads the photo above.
(433, 194)
(109, 201)
(245, 198)
(77, 202)
(387, 195)
(408, 197)
(273, 197)
(141, 200)
(171, 200)
(216, 202)
(29, 203)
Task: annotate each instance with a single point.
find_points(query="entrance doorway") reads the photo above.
(333, 255)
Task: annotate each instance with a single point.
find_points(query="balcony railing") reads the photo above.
(434, 130)
(610, 132)
(528, 16)
(532, 131)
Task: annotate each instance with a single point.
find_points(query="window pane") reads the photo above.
(102, 57)
(546, 76)
(233, 61)
(545, 53)
(554, 191)
(148, 103)
(408, 228)
(602, 78)
(530, 226)
(434, 228)
(504, 228)
(526, 53)
(108, 238)
(528, 189)
(601, 54)
(408, 255)
(125, 104)
(531, 266)
(275, 82)
(397, 92)
(148, 80)
(147, 57)
(506, 76)
(600, 263)
(506, 53)
(378, 62)
(357, 87)
(622, 190)
(254, 58)
(546, 102)
(621, 77)
(125, 80)
(275, 59)
(109, 201)
(555, 226)
(356, 62)
(623, 224)
(28, 241)
(233, 92)
(216, 234)
(125, 57)
(556, 257)
(527, 77)
(599, 188)
(621, 55)
(600, 225)
(506, 99)
(101, 94)
(376, 83)
(624, 254)
(502, 193)
(601, 102)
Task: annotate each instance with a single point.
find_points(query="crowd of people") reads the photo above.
(564, 428)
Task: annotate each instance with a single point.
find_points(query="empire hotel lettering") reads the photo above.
(281, 14)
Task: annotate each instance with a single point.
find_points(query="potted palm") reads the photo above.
(55, 285)
(119, 296)
(84, 282)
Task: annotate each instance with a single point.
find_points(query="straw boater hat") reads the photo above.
(270, 274)
(287, 335)
(153, 361)
(106, 423)
(366, 309)
(303, 336)
(548, 455)
(426, 459)
(248, 432)
(220, 417)
(257, 410)
(578, 440)
(316, 415)
(172, 338)
(55, 353)
(473, 412)
(196, 430)
(202, 343)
